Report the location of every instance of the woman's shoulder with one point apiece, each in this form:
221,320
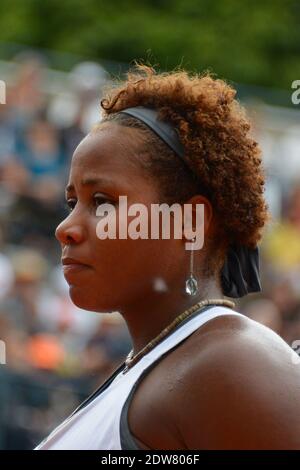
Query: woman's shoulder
241,377
235,345
231,344
225,333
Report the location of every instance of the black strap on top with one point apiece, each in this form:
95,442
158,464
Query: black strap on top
240,273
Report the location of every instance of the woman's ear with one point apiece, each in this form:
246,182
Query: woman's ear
197,217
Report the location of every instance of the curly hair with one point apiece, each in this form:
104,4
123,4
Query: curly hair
224,161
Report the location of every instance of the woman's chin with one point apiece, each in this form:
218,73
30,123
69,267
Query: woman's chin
85,300
81,299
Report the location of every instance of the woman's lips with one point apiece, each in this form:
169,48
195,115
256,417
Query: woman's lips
72,266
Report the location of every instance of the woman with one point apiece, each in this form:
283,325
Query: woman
200,375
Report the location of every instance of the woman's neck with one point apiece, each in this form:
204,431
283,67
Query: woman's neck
148,317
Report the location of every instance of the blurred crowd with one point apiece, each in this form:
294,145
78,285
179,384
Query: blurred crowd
56,354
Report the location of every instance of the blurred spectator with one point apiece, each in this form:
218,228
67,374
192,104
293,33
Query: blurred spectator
45,352
26,97
38,150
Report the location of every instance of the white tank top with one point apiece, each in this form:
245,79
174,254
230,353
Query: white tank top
100,423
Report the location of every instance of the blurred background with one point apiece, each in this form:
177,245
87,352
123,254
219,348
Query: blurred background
55,59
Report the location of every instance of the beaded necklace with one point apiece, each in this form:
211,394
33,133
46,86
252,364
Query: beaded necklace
131,360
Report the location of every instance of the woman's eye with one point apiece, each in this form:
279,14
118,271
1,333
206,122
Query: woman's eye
100,199
70,204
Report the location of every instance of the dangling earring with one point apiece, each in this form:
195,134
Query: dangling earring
191,284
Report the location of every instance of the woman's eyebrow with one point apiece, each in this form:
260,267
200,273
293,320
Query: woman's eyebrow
90,181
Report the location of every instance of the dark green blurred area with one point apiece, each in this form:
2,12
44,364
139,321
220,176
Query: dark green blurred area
254,42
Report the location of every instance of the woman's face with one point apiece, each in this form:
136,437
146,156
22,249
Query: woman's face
117,272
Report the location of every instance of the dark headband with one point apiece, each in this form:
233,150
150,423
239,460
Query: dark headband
240,273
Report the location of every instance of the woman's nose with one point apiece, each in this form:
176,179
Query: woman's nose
68,232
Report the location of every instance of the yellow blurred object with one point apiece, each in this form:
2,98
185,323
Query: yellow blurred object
281,246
